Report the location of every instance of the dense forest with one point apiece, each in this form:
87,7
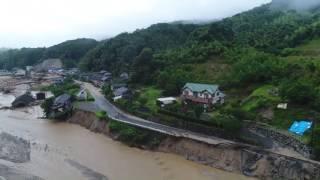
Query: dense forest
164,48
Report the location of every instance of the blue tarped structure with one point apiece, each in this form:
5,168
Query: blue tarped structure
301,127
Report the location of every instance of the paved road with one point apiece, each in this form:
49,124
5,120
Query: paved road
121,116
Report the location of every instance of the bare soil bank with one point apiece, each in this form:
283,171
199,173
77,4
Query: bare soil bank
238,159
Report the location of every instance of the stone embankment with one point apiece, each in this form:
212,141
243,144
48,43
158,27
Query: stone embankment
247,160
283,139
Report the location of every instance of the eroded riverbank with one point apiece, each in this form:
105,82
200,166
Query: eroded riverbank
237,158
67,151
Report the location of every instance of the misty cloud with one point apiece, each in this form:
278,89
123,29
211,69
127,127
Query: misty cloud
35,23
297,4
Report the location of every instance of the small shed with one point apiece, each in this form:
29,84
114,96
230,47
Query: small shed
166,101
41,96
282,106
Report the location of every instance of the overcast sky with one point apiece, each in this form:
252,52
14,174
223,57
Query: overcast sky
38,23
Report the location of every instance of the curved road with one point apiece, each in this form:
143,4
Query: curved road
118,115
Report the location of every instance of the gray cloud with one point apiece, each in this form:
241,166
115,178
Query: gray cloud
38,23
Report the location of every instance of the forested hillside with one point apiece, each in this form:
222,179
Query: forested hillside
70,52
178,53
264,29
120,51
261,58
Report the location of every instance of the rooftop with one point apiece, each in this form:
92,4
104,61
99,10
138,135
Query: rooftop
120,91
195,87
62,99
167,99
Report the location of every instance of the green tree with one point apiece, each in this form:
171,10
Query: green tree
256,67
46,106
229,123
106,89
143,67
198,110
299,91
142,101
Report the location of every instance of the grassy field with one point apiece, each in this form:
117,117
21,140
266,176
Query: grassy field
306,53
311,47
151,94
263,96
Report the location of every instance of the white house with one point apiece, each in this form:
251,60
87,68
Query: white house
166,101
206,94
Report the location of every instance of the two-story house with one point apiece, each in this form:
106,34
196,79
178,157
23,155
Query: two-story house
206,94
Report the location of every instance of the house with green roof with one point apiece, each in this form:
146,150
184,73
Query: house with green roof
206,94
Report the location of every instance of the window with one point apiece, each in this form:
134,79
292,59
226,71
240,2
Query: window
195,94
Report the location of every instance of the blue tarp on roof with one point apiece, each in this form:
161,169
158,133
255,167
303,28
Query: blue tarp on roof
301,127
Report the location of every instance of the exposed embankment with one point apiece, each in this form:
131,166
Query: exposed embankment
250,162
89,121
239,159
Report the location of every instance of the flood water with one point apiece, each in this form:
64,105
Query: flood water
67,151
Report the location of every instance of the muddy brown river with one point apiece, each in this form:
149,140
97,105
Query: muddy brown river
67,151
